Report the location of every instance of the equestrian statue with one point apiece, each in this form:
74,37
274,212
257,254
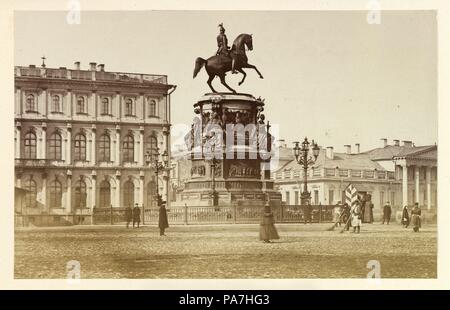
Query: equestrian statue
227,59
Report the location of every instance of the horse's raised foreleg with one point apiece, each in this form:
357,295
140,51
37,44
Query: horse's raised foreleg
222,79
243,78
253,67
211,77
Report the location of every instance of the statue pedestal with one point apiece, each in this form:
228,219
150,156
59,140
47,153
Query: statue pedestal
229,149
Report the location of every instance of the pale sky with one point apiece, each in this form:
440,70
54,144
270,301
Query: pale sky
330,76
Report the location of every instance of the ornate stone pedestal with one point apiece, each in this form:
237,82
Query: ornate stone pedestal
229,148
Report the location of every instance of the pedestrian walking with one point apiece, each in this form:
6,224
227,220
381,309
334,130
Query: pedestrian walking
345,216
136,216
163,223
387,211
128,216
405,217
267,229
416,214
356,217
337,214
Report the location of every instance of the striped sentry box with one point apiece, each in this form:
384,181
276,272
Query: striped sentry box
351,195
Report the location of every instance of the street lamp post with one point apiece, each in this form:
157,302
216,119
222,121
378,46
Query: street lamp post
301,156
213,162
152,160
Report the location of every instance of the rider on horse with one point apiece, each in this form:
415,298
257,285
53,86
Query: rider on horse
223,49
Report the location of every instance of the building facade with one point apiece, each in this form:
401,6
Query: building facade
81,138
379,172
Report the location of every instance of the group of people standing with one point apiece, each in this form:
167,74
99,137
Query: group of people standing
134,215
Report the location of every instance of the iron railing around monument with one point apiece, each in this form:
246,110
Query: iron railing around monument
216,215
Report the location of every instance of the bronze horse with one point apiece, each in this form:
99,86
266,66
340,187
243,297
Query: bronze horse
218,65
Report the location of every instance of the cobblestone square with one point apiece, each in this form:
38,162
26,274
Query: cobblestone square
225,251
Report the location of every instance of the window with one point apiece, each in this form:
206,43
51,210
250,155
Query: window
55,194
56,104
30,104
129,107
128,194
128,149
105,106
54,146
151,192
105,194
81,105
152,108
330,196
30,145
151,145
288,200
30,196
80,194
316,197
80,147
296,198
392,201
382,198
104,145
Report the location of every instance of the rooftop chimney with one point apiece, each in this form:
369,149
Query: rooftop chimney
407,143
357,148
330,152
383,142
93,66
101,67
32,66
397,142
348,148
77,65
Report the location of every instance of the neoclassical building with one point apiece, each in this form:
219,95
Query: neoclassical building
81,138
399,173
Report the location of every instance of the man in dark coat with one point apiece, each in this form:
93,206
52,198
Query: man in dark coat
416,214
128,216
387,210
136,216
345,216
405,217
163,223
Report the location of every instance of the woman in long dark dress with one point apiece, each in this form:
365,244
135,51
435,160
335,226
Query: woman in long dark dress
415,217
267,230
405,217
163,223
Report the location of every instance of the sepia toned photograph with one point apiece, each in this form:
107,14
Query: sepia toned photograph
225,144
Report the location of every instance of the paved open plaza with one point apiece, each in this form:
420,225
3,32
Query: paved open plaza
224,251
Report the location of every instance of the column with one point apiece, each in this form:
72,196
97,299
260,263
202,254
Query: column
141,190
117,159
70,103
141,147
18,141
69,145
117,200
405,184
44,102
166,133
416,183
88,146
44,191
94,190
44,141
428,177
69,192
93,149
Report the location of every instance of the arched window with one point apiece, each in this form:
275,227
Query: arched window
30,104
152,108
81,105
30,145
56,103
151,145
105,106
105,194
104,148
54,146
80,194
128,194
129,107
30,196
128,149
151,194
79,147
55,194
